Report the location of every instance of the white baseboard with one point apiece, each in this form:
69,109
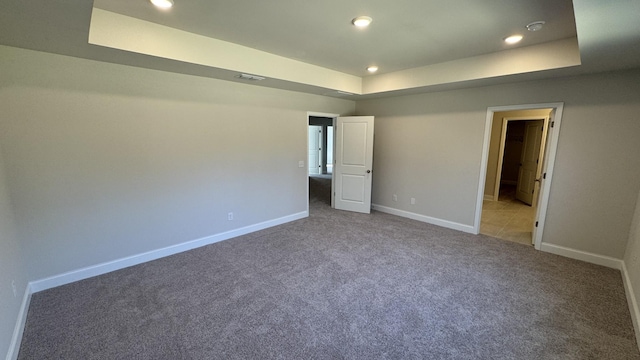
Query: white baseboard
608,262
428,219
582,255
99,269
16,339
488,197
632,301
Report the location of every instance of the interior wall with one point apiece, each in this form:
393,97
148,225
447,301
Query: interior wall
429,146
12,267
106,161
632,263
494,145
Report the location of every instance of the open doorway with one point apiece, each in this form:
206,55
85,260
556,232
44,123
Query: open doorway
320,158
345,161
509,214
518,158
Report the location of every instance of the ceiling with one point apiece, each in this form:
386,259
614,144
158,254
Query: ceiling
404,34
312,47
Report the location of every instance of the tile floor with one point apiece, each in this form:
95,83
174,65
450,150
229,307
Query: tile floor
507,218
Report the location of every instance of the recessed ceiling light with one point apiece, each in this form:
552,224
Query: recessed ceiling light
535,26
362,21
372,69
513,39
164,4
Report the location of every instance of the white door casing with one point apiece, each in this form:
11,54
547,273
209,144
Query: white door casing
353,163
529,161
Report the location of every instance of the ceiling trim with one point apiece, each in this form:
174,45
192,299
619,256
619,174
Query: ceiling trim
130,34
551,55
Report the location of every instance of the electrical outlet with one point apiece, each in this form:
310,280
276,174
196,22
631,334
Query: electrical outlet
413,201
395,197
301,164
13,287
230,216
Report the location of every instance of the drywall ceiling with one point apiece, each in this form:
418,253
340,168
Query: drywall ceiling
312,47
404,34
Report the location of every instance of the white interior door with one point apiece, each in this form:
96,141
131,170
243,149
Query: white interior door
329,149
541,162
315,153
353,163
529,161
542,169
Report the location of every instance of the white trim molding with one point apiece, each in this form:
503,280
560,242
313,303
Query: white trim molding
16,339
592,258
427,219
99,269
632,301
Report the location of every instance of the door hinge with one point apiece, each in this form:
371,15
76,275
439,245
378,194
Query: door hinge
544,176
536,224
553,123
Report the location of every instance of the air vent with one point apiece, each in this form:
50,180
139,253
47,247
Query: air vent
338,93
250,77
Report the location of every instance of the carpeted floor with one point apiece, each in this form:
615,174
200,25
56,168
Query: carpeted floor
340,285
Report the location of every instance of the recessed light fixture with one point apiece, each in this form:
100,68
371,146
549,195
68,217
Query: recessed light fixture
163,4
372,69
513,39
362,21
535,26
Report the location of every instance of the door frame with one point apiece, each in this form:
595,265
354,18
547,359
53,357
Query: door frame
549,163
318,114
503,139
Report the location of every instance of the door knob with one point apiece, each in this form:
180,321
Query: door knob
368,171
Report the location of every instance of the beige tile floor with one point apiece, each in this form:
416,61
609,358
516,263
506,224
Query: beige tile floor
507,218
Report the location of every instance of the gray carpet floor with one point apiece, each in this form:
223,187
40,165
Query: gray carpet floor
340,285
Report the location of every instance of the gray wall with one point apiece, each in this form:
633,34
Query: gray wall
429,147
632,261
107,161
104,161
12,267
